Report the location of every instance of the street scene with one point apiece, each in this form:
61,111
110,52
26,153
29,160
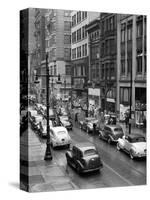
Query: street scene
83,100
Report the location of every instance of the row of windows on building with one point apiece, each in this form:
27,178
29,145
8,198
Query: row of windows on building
80,34
95,35
51,27
53,54
108,71
108,47
53,70
79,52
127,65
108,25
126,29
78,17
52,41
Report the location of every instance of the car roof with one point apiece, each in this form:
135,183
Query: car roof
58,128
112,126
84,146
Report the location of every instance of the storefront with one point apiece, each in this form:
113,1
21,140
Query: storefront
94,97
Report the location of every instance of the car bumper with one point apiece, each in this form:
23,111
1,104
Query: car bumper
59,144
92,169
139,155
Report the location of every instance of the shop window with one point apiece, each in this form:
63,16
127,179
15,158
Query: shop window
139,64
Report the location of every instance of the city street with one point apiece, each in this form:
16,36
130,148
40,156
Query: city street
118,170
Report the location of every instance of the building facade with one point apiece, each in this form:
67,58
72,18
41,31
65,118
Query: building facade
108,61
79,54
93,30
58,47
131,65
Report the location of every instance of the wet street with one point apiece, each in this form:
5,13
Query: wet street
118,170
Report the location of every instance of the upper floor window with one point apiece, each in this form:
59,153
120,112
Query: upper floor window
139,64
78,16
68,69
67,26
79,34
74,20
139,29
67,39
122,67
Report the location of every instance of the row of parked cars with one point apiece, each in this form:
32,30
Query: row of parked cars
133,144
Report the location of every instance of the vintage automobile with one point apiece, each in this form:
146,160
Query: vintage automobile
59,136
84,158
111,133
43,127
87,124
133,144
64,121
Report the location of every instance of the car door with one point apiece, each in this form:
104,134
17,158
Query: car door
52,136
105,132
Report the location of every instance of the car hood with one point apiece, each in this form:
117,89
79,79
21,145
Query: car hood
140,146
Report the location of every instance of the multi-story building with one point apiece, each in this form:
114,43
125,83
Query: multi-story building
93,29
79,52
131,64
40,49
58,47
108,60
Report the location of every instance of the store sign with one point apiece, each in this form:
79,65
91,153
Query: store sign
94,91
111,100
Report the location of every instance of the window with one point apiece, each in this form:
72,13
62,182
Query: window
74,20
145,63
78,16
74,37
79,34
139,29
73,53
122,67
84,15
129,32
67,26
129,66
139,64
124,95
67,39
85,49
102,72
67,54
68,69
83,32
123,27
78,52
111,23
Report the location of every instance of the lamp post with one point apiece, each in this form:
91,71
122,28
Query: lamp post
48,154
130,114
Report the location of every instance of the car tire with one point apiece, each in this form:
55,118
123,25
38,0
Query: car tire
131,154
118,147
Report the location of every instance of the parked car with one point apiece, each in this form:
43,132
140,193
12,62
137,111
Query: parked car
111,133
43,128
64,121
84,158
59,136
133,144
87,124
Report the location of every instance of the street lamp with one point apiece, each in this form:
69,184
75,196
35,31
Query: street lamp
48,154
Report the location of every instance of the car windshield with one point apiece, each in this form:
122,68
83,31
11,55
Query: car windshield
90,152
117,129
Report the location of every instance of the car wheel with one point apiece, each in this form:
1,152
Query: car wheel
118,147
131,154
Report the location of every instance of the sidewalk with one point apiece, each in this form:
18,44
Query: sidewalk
134,129
42,175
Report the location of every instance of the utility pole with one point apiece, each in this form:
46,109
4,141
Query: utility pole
48,154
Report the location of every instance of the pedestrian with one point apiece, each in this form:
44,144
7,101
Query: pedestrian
126,120
94,128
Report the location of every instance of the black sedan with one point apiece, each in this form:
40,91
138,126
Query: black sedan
84,158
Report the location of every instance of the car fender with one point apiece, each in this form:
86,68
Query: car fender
121,142
80,164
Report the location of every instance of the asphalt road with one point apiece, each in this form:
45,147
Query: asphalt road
119,170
